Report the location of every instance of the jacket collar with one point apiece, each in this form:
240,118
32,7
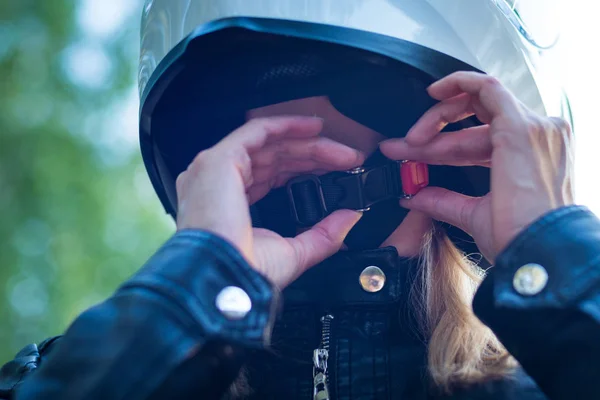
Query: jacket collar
336,281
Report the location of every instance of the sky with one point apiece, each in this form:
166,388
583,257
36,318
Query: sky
580,74
577,68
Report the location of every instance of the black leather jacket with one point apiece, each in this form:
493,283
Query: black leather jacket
161,336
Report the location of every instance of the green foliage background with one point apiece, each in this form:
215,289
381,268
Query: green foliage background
77,212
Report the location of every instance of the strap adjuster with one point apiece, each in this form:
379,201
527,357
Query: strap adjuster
319,206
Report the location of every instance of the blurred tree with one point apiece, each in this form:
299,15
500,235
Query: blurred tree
78,214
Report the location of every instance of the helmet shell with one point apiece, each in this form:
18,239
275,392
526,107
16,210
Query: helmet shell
476,32
427,39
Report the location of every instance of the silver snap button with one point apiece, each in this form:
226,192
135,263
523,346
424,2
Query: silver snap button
233,302
530,279
372,279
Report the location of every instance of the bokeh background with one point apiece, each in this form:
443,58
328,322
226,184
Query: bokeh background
77,213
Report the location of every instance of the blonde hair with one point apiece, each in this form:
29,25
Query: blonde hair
461,350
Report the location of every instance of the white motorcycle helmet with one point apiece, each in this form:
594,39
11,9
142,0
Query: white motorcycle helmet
205,63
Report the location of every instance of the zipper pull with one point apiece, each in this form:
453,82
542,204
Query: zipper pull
320,358
321,391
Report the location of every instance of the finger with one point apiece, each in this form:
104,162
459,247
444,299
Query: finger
563,126
266,179
467,147
214,159
295,167
280,175
257,132
260,188
438,117
320,157
324,151
324,239
492,96
257,192
320,172
444,205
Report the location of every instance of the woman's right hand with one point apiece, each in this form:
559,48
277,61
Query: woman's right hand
215,192
531,159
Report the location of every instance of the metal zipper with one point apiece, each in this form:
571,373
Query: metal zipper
320,358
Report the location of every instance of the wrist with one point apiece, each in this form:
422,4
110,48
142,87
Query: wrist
205,277
241,242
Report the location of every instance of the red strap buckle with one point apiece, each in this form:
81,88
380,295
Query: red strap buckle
415,176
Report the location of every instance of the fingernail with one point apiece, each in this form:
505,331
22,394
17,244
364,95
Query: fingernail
383,144
357,216
433,84
360,157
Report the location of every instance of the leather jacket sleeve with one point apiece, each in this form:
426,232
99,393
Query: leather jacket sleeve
554,334
161,335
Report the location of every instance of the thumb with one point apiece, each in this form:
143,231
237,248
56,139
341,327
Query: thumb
324,239
444,205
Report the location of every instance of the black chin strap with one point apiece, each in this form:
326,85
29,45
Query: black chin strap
311,198
308,199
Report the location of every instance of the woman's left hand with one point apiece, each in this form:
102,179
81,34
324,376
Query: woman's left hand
531,159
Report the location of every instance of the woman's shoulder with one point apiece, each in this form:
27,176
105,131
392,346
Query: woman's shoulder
518,386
